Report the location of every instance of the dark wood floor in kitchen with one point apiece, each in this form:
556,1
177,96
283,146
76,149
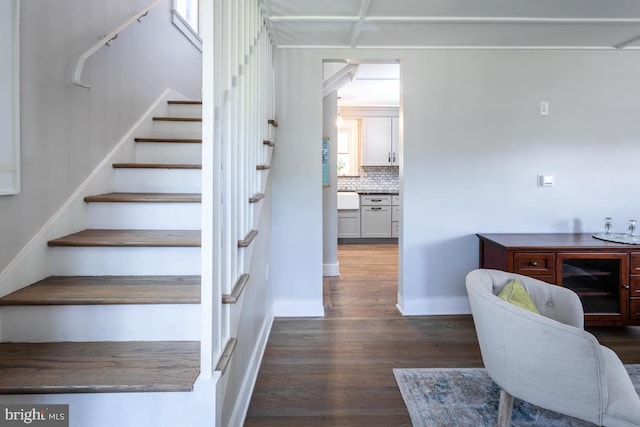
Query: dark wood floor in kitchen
337,371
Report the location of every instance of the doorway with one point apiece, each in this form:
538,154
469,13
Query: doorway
366,126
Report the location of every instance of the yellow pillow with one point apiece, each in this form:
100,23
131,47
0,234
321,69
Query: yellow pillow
516,294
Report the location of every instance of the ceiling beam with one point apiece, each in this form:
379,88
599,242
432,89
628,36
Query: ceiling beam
339,79
451,19
357,28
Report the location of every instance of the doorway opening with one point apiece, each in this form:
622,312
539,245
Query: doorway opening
362,203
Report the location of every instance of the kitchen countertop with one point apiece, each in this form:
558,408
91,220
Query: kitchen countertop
372,193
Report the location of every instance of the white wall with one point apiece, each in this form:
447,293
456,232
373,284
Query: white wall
330,265
296,263
473,145
67,131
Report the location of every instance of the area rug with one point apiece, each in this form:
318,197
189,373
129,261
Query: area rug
468,397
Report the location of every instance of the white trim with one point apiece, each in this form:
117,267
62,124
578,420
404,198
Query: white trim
241,407
298,308
433,306
186,29
13,175
452,19
331,270
453,47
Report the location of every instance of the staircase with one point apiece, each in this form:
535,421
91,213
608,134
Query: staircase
121,312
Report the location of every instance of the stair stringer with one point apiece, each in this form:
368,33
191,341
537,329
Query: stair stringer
31,263
237,383
255,302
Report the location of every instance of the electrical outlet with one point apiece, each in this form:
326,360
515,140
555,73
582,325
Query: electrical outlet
544,108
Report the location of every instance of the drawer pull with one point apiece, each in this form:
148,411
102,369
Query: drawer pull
376,209
533,263
376,200
626,286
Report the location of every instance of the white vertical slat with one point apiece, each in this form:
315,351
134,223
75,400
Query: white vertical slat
210,334
235,123
240,164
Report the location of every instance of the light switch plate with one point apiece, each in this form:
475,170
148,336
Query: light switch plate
546,180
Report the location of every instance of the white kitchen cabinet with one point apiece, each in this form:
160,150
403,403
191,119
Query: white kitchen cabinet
375,216
348,224
395,141
395,216
380,137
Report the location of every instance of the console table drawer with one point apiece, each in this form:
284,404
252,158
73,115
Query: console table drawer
634,308
634,282
634,263
534,264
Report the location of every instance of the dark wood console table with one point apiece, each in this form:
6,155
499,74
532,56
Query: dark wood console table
605,275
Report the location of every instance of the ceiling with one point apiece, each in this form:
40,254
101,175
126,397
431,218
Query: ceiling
430,24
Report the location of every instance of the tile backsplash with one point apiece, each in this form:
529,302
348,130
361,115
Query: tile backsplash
372,178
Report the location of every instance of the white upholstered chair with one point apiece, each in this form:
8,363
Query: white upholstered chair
548,359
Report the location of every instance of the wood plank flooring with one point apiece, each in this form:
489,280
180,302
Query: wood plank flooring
337,371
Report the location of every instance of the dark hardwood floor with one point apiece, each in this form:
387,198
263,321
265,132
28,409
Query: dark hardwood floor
337,371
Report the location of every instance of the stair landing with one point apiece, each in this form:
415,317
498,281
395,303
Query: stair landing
99,367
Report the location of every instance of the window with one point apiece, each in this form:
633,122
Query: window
186,17
348,142
9,98
188,10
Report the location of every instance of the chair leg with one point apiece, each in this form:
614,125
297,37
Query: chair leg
505,409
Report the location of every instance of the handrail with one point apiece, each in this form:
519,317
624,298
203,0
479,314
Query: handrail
106,40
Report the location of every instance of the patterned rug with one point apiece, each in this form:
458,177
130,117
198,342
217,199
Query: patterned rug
468,397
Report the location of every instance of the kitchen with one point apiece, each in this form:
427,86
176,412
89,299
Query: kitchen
367,157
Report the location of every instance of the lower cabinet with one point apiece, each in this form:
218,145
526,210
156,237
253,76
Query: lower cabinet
375,216
349,223
395,216
376,221
378,217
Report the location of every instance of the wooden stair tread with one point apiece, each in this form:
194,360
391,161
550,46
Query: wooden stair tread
99,367
156,166
146,198
177,119
256,197
130,238
248,239
103,290
174,140
181,102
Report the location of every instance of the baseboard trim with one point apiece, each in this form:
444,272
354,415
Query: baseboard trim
298,308
433,306
241,407
331,270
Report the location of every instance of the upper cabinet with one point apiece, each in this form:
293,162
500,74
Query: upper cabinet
380,136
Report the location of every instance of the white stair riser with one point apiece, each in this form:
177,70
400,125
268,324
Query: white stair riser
169,152
157,180
128,409
184,110
144,216
176,129
153,322
107,261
